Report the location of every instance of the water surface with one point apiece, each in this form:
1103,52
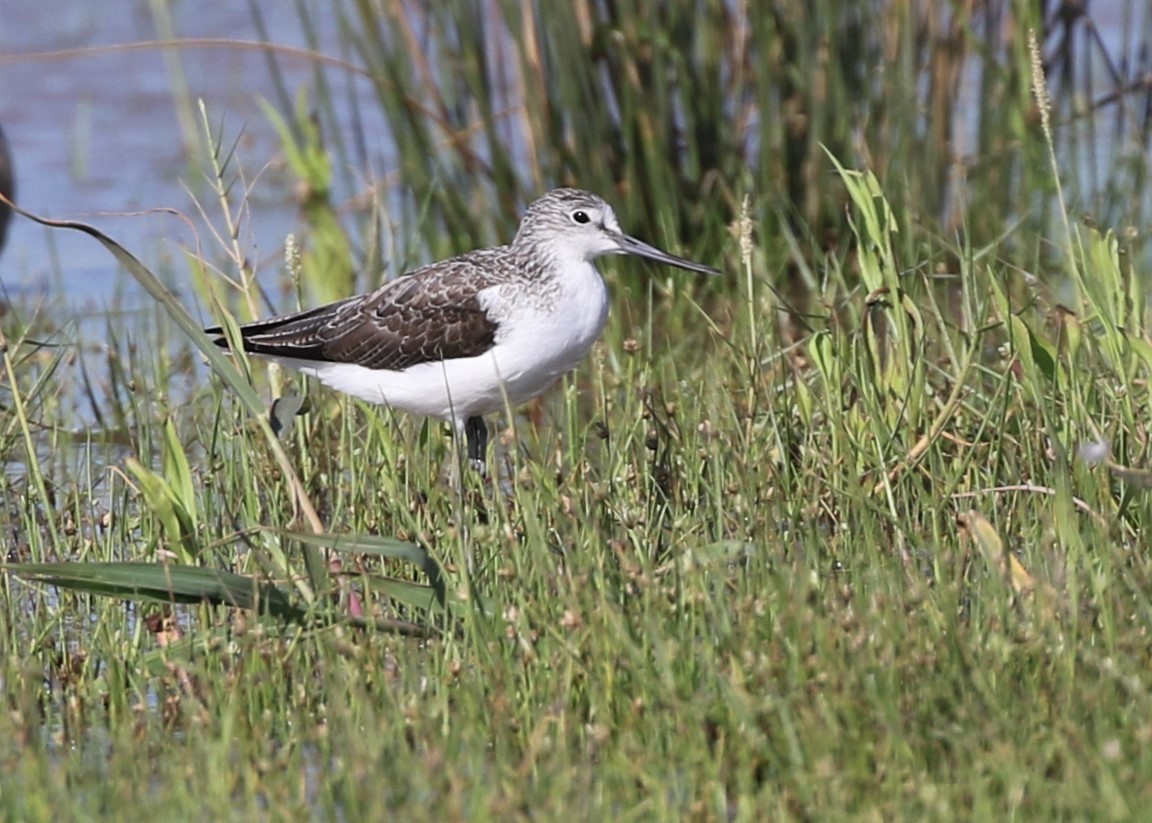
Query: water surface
96,136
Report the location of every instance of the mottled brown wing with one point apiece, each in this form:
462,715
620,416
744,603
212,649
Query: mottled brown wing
430,315
416,320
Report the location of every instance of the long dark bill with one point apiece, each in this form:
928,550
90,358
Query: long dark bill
630,245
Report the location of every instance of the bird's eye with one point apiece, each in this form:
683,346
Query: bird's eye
580,216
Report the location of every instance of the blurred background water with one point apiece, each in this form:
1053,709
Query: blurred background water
96,133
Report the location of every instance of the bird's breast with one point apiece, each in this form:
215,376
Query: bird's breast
548,330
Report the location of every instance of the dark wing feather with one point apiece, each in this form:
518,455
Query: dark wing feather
430,315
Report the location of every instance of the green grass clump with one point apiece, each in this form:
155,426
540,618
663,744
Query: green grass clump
855,533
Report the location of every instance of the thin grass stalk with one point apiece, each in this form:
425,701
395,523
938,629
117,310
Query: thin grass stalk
32,462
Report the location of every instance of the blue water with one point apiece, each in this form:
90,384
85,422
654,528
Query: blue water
96,137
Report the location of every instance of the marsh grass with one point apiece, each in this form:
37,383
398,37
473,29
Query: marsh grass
869,543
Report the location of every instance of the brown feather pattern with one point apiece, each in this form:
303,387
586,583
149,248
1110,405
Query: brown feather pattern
430,315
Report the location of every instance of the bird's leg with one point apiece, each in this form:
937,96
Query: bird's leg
476,432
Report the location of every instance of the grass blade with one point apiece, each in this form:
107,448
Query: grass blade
165,583
381,547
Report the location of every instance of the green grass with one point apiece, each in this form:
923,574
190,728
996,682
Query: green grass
820,541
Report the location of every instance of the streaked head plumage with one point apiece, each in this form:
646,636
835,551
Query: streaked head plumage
573,225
